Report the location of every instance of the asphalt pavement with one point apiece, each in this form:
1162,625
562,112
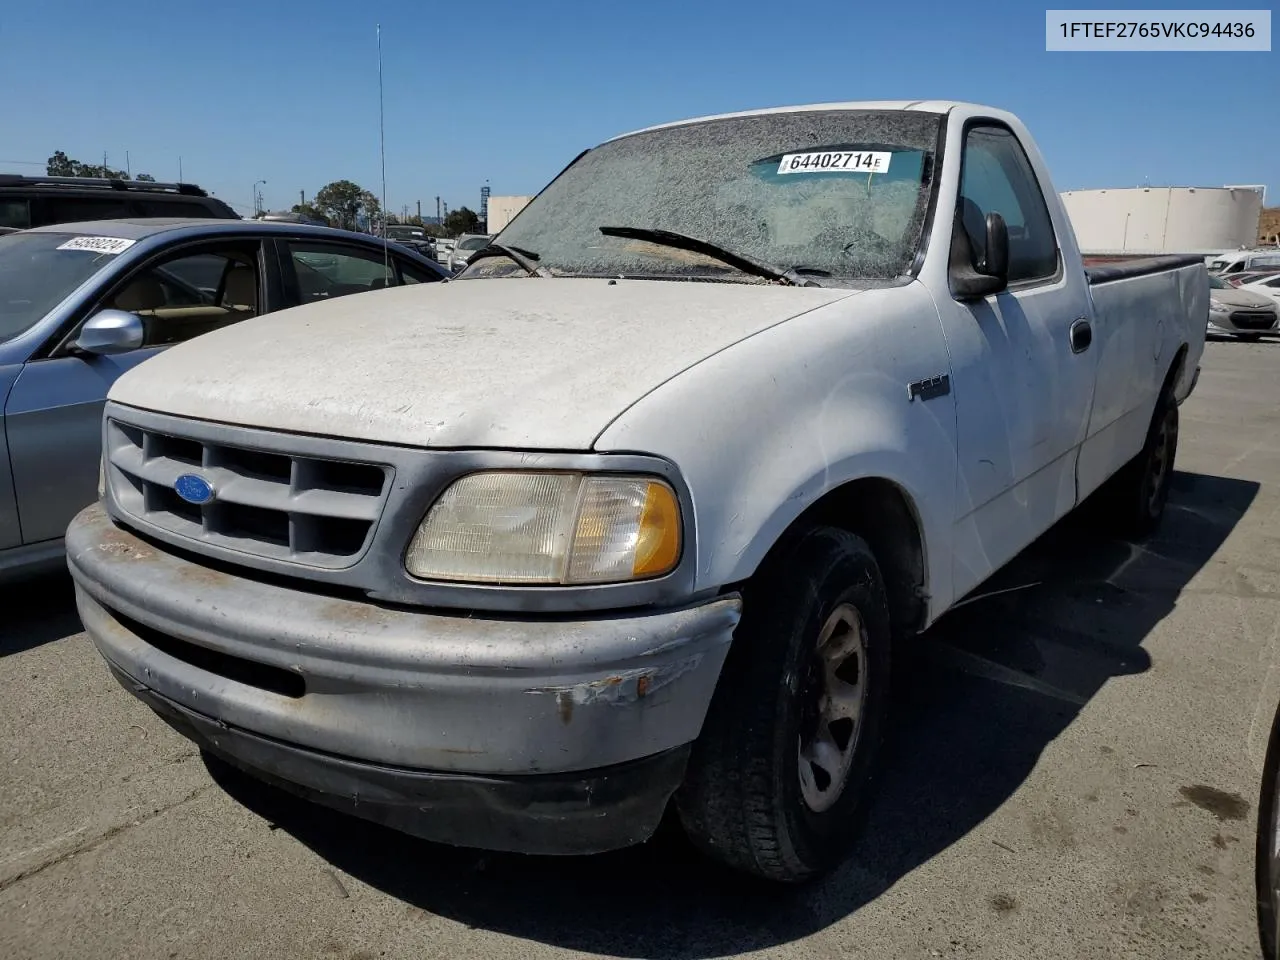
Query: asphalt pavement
1072,772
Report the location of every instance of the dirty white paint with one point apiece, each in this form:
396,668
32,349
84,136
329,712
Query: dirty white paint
765,397
523,363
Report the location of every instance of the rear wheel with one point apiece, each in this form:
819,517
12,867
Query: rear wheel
781,770
1137,495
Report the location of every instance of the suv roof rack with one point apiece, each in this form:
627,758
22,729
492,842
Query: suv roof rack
102,183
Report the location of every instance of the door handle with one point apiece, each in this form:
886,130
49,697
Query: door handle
1081,336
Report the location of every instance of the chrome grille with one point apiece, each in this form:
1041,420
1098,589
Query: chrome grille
304,509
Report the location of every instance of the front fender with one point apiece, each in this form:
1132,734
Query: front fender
764,429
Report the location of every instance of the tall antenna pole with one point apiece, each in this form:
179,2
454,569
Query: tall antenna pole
382,150
179,169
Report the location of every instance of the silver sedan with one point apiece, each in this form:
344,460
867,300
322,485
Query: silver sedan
1242,313
81,303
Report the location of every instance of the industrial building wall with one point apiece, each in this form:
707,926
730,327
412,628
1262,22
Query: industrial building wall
1164,219
502,210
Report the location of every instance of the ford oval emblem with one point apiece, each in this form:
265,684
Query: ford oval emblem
193,488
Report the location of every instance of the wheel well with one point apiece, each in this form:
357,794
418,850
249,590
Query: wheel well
1175,370
878,511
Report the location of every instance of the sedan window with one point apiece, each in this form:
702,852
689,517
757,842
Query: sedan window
188,295
328,270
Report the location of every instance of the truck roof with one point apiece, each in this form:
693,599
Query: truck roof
919,106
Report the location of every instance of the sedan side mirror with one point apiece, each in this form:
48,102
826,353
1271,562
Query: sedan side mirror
111,331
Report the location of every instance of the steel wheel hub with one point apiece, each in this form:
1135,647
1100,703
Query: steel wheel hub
837,698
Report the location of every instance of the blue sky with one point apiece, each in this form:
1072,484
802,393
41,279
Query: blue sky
510,92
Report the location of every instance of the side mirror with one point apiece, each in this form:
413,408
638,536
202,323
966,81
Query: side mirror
992,272
111,331
995,261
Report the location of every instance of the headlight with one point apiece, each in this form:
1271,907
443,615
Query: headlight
1217,307
548,528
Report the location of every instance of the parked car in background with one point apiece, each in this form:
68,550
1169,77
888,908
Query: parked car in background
645,502
290,216
463,249
82,303
1240,311
1268,286
414,237
27,202
1245,276
1245,260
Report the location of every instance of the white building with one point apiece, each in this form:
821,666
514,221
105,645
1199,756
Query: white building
502,210
1158,220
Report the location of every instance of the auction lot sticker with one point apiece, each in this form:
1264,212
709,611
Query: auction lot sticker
836,161
112,245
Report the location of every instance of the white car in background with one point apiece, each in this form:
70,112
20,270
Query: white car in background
466,246
1240,311
1244,260
1268,286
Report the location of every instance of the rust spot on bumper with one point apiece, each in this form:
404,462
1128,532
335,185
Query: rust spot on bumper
618,689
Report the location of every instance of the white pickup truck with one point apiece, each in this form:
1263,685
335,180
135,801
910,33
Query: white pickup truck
639,507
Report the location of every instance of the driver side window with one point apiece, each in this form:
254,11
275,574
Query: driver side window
192,293
997,178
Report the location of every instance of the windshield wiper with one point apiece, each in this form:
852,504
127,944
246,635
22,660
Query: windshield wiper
525,258
741,261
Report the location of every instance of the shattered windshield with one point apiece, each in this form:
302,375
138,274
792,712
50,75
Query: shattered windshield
840,194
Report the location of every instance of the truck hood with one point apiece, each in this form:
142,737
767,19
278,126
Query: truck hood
517,363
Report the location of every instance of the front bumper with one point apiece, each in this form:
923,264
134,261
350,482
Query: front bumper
265,674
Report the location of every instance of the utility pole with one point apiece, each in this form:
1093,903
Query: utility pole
419,211
179,169
438,220
104,164
128,167
302,198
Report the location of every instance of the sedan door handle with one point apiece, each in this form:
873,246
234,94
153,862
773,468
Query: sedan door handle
1081,336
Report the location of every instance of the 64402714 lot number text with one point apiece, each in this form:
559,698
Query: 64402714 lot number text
836,161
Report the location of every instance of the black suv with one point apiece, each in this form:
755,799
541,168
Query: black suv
39,201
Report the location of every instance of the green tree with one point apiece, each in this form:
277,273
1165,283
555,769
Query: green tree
462,220
60,165
345,204
307,210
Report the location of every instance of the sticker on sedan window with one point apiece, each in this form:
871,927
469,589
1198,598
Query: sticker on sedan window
111,245
836,161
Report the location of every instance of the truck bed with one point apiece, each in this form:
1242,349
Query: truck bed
1105,269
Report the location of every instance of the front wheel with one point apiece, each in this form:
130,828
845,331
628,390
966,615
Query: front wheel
782,767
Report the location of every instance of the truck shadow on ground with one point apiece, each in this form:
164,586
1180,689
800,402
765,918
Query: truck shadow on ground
37,611
988,688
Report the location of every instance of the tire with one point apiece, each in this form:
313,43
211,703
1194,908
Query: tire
1266,858
1137,495
749,800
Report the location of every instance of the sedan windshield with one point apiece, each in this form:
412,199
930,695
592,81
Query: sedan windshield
36,275
838,195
